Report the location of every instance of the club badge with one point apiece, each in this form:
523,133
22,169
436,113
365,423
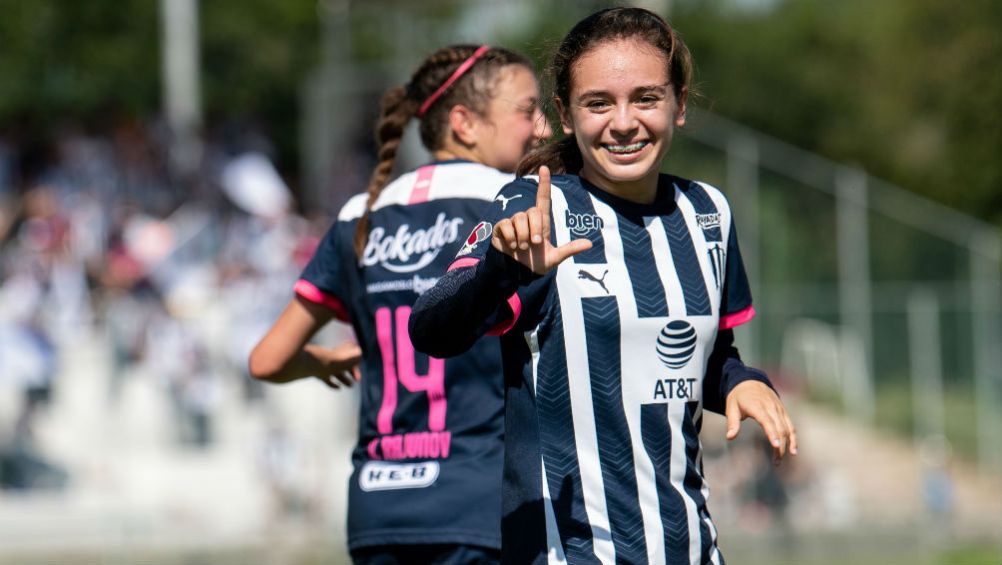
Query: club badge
482,232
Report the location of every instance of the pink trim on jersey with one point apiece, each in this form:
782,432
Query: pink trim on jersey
422,184
516,310
462,262
310,292
736,319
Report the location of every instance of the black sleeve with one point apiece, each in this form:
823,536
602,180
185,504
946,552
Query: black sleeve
725,371
465,303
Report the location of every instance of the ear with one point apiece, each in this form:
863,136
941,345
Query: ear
565,117
680,111
463,122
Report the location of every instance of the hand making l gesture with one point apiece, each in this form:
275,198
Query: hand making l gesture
526,236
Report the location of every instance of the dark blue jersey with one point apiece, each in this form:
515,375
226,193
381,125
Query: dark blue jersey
427,467
609,360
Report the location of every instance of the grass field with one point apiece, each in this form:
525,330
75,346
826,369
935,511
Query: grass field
829,550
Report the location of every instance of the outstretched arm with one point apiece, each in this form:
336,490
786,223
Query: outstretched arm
284,354
738,391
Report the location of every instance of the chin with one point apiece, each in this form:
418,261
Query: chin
627,173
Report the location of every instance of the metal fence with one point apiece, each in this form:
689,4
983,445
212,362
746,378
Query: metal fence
871,297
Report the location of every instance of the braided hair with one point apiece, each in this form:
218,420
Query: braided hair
473,89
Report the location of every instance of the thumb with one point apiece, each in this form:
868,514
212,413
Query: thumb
733,414
569,249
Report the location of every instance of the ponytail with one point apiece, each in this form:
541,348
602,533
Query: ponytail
396,110
457,74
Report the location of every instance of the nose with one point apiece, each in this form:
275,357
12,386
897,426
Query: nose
623,120
541,125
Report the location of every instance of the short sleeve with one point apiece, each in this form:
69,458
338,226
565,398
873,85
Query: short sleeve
322,281
736,302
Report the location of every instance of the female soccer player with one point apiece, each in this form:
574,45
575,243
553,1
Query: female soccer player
427,467
617,287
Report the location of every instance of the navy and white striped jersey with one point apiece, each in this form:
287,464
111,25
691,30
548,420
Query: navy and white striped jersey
427,466
610,360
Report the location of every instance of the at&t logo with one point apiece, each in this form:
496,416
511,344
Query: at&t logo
676,344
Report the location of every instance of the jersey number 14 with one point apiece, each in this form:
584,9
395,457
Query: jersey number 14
398,365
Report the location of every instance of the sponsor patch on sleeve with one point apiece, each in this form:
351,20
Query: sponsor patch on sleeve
480,233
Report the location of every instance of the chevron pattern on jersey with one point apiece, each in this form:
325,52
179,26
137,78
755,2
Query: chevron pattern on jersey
559,450
647,286
694,479
602,336
657,441
690,276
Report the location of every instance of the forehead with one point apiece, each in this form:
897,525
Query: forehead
618,64
516,82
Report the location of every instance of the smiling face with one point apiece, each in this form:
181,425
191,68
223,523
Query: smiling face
622,111
512,123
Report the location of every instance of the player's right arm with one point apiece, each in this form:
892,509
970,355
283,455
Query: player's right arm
474,297
284,354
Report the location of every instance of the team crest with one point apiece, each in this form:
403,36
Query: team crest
481,232
716,253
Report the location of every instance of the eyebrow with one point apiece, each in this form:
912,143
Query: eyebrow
645,88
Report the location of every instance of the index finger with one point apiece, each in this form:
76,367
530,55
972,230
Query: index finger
543,194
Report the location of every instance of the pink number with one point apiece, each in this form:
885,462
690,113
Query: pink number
432,384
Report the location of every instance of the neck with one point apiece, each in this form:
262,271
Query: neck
452,151
642,191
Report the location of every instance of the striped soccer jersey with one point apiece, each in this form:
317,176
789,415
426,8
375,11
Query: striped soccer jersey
609,361
427,466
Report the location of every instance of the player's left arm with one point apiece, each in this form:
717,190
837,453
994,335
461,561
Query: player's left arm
731,387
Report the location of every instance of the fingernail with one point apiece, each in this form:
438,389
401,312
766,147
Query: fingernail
775,443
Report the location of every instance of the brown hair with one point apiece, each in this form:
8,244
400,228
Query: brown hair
473,89
563,155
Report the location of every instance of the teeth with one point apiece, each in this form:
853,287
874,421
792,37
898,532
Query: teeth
626,148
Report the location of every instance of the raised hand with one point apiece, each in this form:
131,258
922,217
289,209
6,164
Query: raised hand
526,236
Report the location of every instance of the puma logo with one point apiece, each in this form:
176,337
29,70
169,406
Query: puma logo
583,274
504,201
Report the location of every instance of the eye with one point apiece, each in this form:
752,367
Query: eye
596,104
649,99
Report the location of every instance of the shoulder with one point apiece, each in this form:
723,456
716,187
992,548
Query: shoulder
462,180
353,208
469,180
699,192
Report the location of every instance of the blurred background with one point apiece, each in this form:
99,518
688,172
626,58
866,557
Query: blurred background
167,167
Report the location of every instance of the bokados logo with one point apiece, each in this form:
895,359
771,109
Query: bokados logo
407,251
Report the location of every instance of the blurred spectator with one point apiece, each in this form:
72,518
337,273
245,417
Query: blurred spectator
98,240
